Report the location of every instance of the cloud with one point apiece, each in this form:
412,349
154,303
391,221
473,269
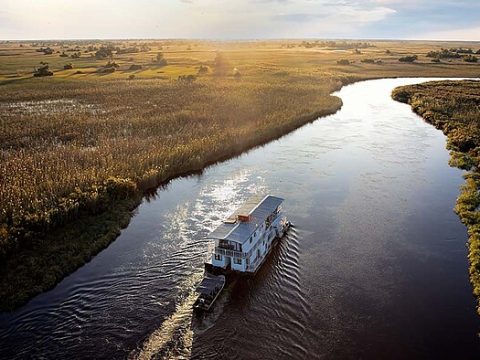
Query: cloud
339,15
233,19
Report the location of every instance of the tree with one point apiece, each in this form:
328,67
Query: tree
408,58
42,71
470,58
104,52
160,60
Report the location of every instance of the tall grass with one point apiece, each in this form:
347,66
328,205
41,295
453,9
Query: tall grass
118,138
454,108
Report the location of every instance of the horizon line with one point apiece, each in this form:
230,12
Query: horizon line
233,39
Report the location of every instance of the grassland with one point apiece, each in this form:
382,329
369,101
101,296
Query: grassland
454,108
79,148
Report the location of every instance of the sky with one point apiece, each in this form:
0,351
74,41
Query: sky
240,19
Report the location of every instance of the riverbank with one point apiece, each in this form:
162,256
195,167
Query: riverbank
454,108
83,144
53,243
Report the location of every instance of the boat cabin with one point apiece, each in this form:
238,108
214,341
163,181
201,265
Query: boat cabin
244,238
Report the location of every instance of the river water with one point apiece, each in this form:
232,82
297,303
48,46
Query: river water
375,267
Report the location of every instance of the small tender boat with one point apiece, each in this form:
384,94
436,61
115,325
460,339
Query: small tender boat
209,290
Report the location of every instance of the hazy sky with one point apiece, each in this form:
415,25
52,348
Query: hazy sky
240,19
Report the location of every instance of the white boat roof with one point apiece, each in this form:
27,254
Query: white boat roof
258,208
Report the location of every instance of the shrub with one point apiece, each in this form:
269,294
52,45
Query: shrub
135,67
42,71
106,70
368,61
67,66
104,52
202,70
46,51
112,64
160,60
343,62
408,58
444,54
187,79
470,58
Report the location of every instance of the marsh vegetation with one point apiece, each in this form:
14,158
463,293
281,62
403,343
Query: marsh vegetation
87,142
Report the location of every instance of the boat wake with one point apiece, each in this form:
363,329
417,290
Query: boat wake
173,340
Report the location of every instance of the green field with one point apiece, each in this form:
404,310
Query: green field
79,148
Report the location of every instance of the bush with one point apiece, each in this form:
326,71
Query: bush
343,62
187,79
135,67
46,51
202,70
408,58
106,70
104,52
67,66
368,61
42,71
112,64
160,60
470,58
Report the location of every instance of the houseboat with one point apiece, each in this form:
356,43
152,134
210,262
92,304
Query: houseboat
245,238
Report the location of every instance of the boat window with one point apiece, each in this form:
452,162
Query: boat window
250,240
218,257
238,260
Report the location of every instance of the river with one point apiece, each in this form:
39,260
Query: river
375,267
